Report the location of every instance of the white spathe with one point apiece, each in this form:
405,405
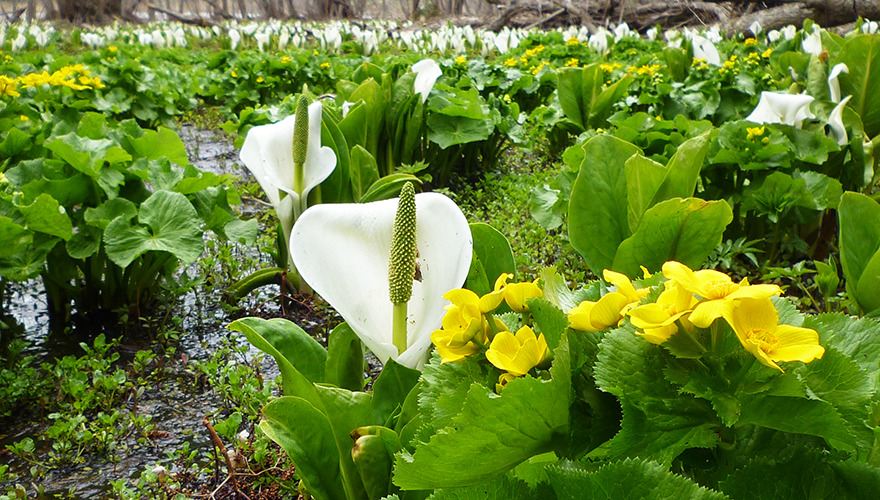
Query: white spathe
833,80
788,109
812,43
268,153
342,252
704,49
835,121
427,72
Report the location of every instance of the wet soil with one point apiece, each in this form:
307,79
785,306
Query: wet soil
176,402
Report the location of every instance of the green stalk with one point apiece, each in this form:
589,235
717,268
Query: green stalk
398,331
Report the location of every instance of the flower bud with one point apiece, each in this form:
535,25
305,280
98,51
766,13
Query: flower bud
301,131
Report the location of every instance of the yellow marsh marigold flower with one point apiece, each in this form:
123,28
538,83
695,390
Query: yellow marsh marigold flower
607,312
757,327
572,42
510,62
516,294
464,322
657,320
285,59
259,79
503,380
325,65
572,63
766,53
755,132
749,42
517,354
34,79
461,60
8,86
715,290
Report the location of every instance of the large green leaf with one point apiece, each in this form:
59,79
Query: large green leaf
87,155
364,171
569,89
597,214
630,479
392,388
290,341
448,130
859,218
337,187
529,418
493,250
862,56
15,237
47,216
160,143
305,434
173,226
684,230
345,359
659,422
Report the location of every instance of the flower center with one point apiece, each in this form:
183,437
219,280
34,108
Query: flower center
766,341
718,289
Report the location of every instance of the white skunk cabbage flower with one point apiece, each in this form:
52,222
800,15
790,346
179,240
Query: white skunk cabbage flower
833,83
427,72
234,38
704,49
787,109
835,121
812,43
268,153
342,251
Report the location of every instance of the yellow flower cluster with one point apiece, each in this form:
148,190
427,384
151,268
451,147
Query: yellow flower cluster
607,312
285,59
75,77
608,68
510,62
8,86
572,63
755,132
750,41
698,299
469,327
572,42
461,60
325,65
647,69
537,69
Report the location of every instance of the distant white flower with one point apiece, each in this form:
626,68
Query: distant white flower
599,41
158,39
427,72
869,28
283,38
713,34
19,43
835,121
704,49
755,28
262,39
773,35
621,31
812,44
243,436
788,32
833,83
653,33
787,109
234,38
502,41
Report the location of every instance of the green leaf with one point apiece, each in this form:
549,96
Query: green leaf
597,215
389,187
854,337
344,359
84,243
628,479
87,155
859,218
101,215
287,339
803,475
502,488
644,177
364,171
448,130
686,231
15,142
15,237
529,418
570,90
305,434
392,388
173,227
337,187
551,321
493,250
45,215
658,421
160,143
861,54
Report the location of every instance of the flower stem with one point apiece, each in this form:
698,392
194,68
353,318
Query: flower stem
398,329
741,375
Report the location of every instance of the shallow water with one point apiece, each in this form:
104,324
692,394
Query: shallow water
175,404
